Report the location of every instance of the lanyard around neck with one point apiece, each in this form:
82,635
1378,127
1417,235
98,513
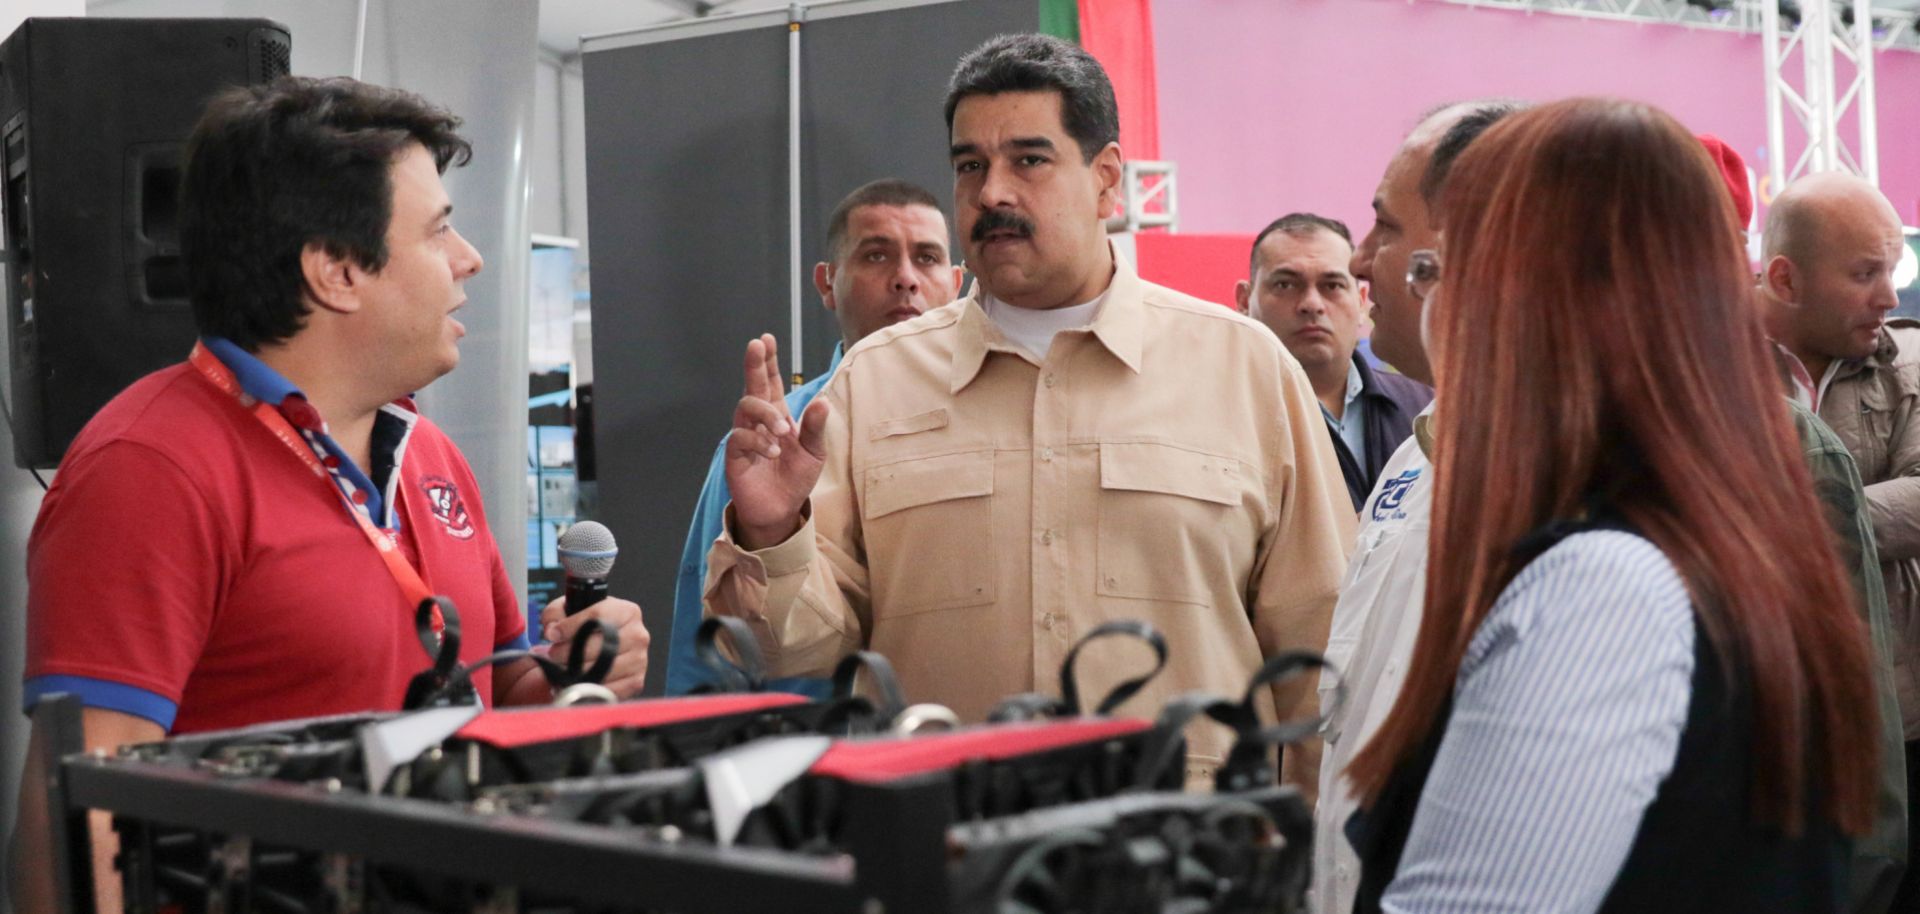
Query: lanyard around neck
411,584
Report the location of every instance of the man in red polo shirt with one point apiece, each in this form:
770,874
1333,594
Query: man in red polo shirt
243,537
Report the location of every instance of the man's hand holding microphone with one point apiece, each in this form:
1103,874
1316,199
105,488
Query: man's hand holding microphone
587,551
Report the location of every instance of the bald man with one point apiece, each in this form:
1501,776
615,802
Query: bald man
1830,248
1377,617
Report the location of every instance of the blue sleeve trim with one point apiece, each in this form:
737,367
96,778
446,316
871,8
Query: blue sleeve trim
105,694
520,643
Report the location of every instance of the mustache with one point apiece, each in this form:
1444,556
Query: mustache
994,220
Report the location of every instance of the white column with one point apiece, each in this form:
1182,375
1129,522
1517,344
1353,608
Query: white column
477,58
796,16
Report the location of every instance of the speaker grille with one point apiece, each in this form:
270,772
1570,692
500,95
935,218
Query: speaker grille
269,55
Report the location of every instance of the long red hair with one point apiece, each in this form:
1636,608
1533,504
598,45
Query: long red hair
1593,335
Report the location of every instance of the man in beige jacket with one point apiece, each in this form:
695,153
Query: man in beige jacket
979,487
1831,245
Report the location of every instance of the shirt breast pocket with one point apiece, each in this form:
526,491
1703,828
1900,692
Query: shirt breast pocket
1872,451
1170,522
929,532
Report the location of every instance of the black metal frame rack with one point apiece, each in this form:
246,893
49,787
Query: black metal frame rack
901,845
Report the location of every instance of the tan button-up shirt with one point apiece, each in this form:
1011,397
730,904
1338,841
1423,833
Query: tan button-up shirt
979,512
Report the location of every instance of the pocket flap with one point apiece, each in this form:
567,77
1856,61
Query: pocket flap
907,425
925,480
1146,466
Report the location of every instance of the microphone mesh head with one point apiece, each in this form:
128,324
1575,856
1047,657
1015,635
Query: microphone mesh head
587,550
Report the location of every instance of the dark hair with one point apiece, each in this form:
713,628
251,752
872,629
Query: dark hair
1556,359
1455,141
273,168
1035,63
1299,225
884,192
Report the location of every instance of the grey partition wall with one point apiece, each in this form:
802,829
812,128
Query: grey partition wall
688,183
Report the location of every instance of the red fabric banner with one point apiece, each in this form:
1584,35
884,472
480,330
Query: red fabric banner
1204,266
1119,34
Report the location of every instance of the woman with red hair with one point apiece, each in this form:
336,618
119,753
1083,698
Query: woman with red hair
1640,682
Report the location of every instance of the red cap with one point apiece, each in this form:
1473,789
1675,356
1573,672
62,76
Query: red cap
1733,169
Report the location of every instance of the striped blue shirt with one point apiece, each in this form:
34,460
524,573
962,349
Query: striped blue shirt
1566,718
1352,424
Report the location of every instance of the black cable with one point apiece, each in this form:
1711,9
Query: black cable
8,414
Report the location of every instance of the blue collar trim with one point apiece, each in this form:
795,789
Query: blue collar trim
390,432
256,378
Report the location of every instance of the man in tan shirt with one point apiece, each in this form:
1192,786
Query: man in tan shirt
979,487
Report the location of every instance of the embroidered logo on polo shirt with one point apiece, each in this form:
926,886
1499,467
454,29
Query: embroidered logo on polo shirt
448,507
1392,493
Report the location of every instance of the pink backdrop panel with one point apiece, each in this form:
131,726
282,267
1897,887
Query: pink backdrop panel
1270,106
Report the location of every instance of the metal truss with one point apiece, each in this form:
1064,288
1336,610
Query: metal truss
1894,29
1674,12
1821,102
1149,198
1818,31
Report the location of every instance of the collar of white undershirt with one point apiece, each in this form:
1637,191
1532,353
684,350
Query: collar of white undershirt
1806,390
1033,329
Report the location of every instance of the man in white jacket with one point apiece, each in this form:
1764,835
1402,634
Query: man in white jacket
1377,617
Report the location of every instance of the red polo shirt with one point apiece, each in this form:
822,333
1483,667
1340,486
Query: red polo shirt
188,568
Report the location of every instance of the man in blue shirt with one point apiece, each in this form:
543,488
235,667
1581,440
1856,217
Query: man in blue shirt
887,263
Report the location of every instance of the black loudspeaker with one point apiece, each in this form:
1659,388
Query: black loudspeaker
94,114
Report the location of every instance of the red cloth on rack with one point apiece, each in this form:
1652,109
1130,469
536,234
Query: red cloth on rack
511,729
877,761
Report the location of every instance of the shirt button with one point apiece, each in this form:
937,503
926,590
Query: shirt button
1046,537
1046,455
1051,380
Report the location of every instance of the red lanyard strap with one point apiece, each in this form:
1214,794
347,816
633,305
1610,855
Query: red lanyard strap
411,585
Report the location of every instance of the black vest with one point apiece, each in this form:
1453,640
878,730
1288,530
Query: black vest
1698,849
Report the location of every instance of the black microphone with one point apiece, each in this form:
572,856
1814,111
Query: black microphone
587,552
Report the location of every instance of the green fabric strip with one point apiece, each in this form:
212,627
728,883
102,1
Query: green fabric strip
1061,19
